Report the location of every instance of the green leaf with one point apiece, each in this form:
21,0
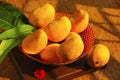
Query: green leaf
15,29
15,32
7,19
12,9
7,45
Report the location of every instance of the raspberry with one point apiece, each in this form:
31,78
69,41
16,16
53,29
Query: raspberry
39,73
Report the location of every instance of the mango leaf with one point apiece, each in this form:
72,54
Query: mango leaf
15,32
7,45
11,22
15,12
12,9
7,19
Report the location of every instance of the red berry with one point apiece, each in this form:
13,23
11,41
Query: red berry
39,73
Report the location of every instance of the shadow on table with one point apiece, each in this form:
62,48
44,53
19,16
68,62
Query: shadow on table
68,6
111,70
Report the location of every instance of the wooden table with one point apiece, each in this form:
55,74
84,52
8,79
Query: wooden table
105,22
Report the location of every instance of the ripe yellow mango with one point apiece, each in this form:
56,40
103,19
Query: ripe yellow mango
35,42
72,35
49,54
42,16
59,29
71,49
79,21
98,56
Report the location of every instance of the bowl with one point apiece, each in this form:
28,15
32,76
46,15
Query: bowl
87,37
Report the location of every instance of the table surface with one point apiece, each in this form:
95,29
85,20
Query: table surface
105,21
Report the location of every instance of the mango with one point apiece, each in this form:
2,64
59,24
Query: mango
98,56
42,16
59,29
71,35
49,54
35,42
79,21
71,49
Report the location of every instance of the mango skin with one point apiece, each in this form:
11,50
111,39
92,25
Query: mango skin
59,29
71,49
79,21
98,56
35,42
72,35
49,54
42,16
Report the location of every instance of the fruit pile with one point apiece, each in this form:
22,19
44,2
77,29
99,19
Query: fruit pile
59,37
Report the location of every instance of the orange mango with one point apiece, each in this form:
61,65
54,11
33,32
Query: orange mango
71,49
72,35
98,56
35,42
42,16
79,21
59,29
49,54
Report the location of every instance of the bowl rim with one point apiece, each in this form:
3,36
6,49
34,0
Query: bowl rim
52,63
